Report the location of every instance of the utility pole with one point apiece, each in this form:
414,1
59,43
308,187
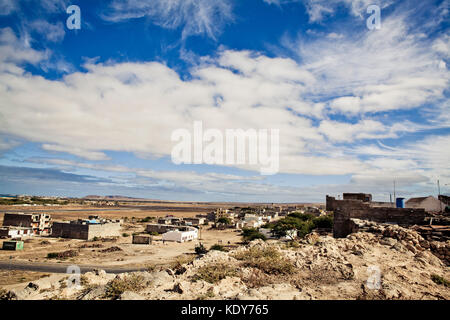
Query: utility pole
395,199
439,195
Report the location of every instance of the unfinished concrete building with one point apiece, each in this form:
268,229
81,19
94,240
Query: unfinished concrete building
348,209
86,229
364,197
142,239
40,223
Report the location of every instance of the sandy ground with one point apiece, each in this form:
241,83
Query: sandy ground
131,255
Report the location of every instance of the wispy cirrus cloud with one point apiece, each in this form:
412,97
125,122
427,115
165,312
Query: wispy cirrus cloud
194,17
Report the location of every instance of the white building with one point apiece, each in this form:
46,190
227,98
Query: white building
180,236
290,234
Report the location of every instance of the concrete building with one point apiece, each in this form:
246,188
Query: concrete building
160,228
40,223
188,234
170,220
194,221
430,204
86,229
142,239
364,197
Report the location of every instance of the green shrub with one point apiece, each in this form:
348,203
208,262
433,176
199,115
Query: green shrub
250,234
125,235
301,216
440,280
323,222
224,220
147,219
200,249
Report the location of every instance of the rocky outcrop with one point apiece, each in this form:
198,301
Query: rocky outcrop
401,262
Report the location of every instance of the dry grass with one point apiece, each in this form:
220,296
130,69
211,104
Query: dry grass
117,286
268,260
213,273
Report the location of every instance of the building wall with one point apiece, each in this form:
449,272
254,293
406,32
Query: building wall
40,222
179,236
141,239
344,210
358,196
430,204
17,220
160,228
85,231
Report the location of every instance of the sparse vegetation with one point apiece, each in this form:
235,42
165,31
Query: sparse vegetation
62,255
224,220
268,260
250,234
304,223
125,235
147,219
440,280
3,294
218,247
200,249
214,273
208,295
117,286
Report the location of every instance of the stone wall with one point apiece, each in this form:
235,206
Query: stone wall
344,210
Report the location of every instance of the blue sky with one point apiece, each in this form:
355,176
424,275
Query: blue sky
91,111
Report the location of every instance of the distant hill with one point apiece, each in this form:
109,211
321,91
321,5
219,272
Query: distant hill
110,198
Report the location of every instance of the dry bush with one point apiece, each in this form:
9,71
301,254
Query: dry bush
213,273
268,260
62,255
117,286
258,278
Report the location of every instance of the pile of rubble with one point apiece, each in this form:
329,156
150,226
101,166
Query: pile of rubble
409,238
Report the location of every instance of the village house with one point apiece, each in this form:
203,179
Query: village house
40,223
181,235
87,229
430,204
15,232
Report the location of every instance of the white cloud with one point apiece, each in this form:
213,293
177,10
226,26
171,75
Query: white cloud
7,7
319,10
50,32
83,153
389,69
195,17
